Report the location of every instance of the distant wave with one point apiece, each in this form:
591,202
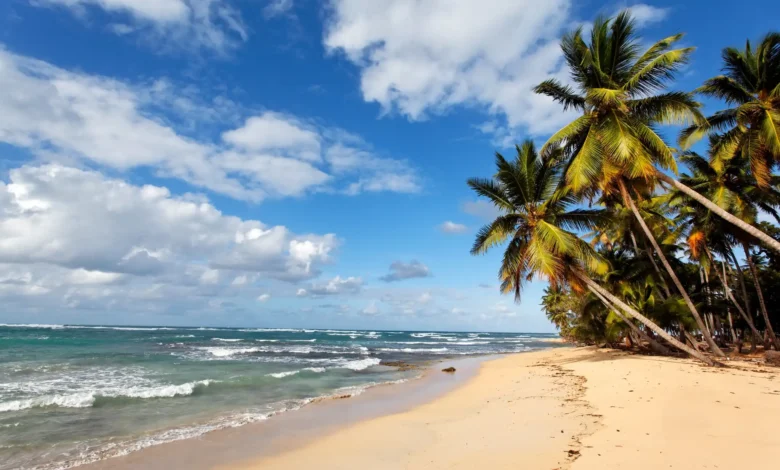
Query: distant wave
413,350
32,325
361,364
227,340
276,330
227,352
87,398
280,375
222,352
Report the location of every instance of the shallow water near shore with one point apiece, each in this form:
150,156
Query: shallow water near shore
71,395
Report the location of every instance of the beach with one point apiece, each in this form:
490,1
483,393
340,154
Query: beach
139,396
579,408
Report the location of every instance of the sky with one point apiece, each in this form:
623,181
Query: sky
282,163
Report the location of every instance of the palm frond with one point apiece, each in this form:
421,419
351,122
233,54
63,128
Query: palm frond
492,190
561,94
494,233
726,89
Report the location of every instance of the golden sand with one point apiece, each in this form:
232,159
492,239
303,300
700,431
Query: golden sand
568,408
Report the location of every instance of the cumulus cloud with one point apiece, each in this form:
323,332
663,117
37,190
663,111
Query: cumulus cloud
62,226
400,271
277,132
65,116
263,298
215,25
422,58
335,286
647,14
452,227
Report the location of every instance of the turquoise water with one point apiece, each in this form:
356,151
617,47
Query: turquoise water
70,395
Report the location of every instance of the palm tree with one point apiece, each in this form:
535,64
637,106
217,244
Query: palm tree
535,222
728,184
613,144
750,128
620,228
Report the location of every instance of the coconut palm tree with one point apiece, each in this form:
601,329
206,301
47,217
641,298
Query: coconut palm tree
613,147
729,185
750,128
536,223
621,227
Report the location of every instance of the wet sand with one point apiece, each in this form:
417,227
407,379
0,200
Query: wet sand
291,430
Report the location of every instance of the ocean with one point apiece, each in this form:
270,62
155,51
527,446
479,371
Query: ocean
71,395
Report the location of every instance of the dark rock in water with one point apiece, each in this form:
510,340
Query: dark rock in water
449,370
401,365
772,357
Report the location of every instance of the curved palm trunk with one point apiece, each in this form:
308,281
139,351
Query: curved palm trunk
722,213
594,287
727,290
654,345
760,294
704,331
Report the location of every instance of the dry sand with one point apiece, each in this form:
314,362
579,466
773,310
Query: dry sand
568,408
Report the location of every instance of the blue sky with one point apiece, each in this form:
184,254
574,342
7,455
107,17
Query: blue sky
280,162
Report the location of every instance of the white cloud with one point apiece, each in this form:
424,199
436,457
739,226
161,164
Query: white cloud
210,276
83,221
263,297
165,24
400,271
277,132
452,227
72,117
335,286
154,10
371,310
422,58
647,14
374,174
277,7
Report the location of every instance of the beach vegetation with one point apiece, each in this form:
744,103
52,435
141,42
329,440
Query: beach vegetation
642,243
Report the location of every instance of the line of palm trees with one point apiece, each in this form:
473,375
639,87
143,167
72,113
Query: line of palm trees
599,210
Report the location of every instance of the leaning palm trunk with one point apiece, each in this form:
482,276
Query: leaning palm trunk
654,345
722,213
704,331
594,287
760,294
727,290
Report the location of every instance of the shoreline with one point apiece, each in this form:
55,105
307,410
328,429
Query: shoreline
567,408
294,428
559,408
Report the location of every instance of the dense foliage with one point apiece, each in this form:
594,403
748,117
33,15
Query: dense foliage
634,254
